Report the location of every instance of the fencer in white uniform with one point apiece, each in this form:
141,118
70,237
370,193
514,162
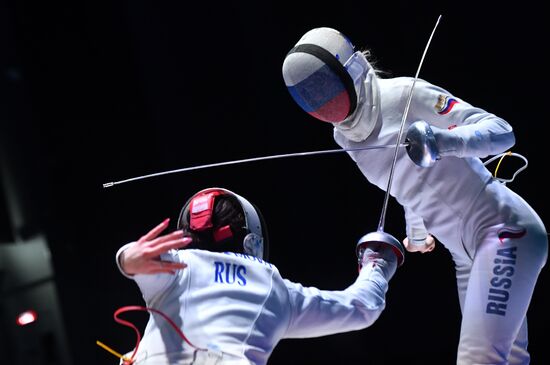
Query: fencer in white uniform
497,241
231,304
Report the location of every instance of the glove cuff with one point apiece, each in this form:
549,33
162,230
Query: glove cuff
418,241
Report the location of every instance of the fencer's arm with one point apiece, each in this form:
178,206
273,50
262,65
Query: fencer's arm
461,129
151,261
119,258
318,312
489,136
418,239
143,255
414,227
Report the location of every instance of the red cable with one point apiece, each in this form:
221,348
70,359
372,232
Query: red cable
138,335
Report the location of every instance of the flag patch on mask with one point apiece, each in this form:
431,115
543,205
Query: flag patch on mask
445,104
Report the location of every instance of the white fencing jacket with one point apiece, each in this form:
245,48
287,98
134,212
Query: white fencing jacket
239,307
498,242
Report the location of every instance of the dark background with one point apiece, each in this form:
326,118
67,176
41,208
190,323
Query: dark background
94,92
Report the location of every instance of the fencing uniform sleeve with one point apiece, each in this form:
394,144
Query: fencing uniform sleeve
415,229
461,129
316,312
118,257
149,284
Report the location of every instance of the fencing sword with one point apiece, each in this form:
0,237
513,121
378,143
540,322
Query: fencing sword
253,159
373,237
379,236
396,146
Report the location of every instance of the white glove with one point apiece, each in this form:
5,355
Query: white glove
382,256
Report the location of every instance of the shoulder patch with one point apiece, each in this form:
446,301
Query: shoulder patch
444,104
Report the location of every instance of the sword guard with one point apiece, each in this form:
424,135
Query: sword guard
422,147
381,237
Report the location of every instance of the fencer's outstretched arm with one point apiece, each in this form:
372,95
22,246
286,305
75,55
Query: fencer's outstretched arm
459,128
318,312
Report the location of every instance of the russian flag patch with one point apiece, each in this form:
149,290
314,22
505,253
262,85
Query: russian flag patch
445,104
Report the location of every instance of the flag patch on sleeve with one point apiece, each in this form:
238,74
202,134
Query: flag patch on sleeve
445,104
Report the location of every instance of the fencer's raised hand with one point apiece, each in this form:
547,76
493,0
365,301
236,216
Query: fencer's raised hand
143,256
426,246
